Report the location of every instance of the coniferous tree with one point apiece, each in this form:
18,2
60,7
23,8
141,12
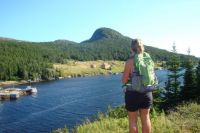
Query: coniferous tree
172,95
188,91
158,98
198,79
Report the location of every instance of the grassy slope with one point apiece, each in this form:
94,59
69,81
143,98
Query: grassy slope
82,68
186,119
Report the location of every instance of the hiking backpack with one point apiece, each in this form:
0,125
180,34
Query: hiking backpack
143,79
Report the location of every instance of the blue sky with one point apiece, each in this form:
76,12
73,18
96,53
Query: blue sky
158,23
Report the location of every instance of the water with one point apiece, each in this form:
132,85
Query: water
63,102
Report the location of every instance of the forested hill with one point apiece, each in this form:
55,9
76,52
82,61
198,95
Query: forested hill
110,44
24,60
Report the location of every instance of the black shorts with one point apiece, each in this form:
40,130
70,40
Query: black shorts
135,100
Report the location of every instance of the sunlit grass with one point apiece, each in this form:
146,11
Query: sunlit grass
79,68
184,119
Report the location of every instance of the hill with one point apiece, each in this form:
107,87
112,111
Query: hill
110,44
7,39
103,33
105,44
34,60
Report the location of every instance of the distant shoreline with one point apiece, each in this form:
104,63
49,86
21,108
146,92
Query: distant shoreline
73,69
24,82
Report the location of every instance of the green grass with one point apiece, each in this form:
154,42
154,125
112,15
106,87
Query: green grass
184,119
83,68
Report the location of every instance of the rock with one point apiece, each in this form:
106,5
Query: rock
106,66
93,66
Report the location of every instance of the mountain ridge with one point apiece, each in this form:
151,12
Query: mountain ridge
100,33
102,37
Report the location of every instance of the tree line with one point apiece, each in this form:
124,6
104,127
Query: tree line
30,60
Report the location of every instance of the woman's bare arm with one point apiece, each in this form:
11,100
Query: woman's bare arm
127,71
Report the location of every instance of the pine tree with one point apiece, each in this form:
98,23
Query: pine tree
158,98
172,95
189,89
198,79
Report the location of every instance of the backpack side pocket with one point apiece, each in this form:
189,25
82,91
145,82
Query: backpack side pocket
136,82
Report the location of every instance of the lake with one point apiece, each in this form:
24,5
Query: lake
63,102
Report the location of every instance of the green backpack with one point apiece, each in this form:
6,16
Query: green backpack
143,79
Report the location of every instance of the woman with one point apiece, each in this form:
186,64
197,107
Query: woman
135,101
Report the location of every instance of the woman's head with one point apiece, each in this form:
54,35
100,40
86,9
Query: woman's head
137,46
